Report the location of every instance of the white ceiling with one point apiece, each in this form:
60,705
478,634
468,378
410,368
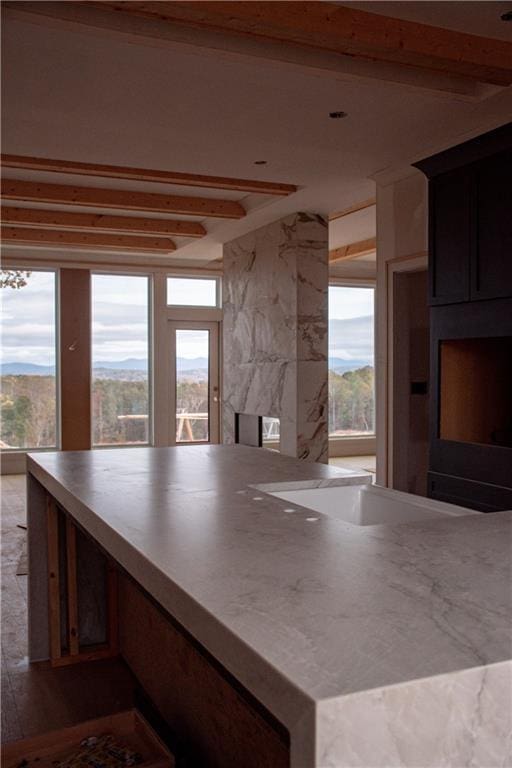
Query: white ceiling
93,95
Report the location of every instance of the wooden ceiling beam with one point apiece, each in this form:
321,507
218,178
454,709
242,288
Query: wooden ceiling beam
145,174
353,209
353,251
343,30
95,197
42,218
85,240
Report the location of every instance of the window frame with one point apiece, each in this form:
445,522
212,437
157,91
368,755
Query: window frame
13,461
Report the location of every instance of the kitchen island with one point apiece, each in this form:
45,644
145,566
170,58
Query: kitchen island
377,645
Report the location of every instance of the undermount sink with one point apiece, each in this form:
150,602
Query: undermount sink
370,504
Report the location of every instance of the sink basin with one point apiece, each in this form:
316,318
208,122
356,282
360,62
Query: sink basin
370,504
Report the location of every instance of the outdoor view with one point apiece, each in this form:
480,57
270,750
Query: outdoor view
192,385
120,367
120,360
28,396
351,361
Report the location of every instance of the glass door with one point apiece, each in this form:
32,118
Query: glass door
194,389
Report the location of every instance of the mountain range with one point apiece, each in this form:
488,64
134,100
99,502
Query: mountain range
337,364
130,364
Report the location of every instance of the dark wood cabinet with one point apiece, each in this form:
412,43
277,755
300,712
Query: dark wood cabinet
483,497
470,274
470,220
470,232
491,262
450,236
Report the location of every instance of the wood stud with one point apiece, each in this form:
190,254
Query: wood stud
75,653
72,591
53,579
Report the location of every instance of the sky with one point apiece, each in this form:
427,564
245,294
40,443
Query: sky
119,317
28,321
351,324
120,320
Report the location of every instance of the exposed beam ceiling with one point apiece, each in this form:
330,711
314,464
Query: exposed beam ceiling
343,30
97,222
86,240
57,194
144,174
353,251
353,208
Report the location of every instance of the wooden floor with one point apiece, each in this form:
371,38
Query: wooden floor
36,698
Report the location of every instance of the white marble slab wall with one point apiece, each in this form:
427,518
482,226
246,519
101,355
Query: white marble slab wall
275,294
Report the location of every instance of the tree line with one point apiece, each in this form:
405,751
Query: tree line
351,401
28,411
28,408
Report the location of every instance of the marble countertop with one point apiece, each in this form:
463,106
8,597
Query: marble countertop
301,608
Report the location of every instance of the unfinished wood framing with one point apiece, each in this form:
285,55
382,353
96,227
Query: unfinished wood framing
353,209
95,197
145,174
342,30
72,588
53,579
74,653
112,607
353,251
86,240
99,222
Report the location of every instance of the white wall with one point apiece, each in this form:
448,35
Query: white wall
402,210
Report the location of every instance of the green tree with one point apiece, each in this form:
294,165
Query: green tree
351,401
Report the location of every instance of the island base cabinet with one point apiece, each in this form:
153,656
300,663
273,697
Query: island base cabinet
214,723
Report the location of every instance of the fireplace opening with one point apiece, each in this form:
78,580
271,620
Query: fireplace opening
476,391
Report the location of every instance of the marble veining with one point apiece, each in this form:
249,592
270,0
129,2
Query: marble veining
275,331
461,720
313,617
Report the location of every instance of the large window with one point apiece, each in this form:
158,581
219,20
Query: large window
28,356
351,361
120,360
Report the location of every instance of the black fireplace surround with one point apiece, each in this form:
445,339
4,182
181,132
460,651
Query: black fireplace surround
470,286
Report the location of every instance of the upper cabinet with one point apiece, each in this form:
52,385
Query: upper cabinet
491,263
470,219
450,237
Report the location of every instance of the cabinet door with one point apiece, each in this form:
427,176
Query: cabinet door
450,237
491,273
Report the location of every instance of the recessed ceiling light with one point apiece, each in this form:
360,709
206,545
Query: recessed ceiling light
337,115
507,16
260,162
